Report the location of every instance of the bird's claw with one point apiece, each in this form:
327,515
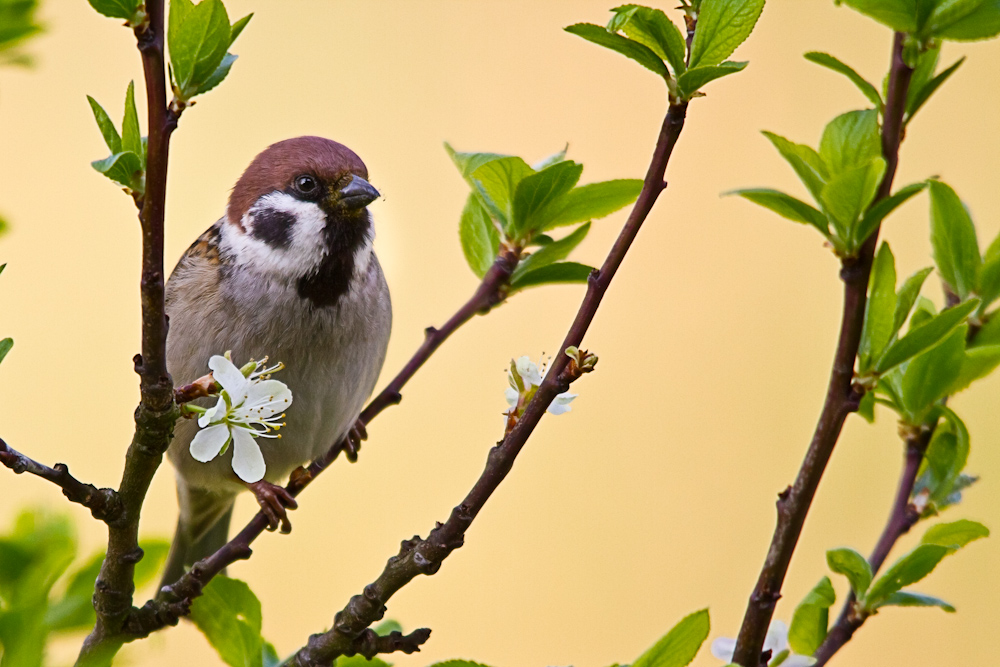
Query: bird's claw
353,439
273,501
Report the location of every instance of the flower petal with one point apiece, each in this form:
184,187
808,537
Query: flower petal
267,398
560,403
511,395
208,442
228,376
777,637
248,462
528,371
795,660
723,648
214,414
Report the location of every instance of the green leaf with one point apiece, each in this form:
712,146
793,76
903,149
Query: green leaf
787,207
929,376
457,663
561,272
237,28
848,194
696,77
361,661
811,618
900,15
988,285
536,193
551,253
198,37
850,140
880,309
944,460
106,126
866,407
956,534
925,336
228,614
874,216
867,89
978,363
652,28
852,565
909,569
551,160
806,162
722,26
953,236
595,200
908,599
116,9
983,23
480,238
989,332
678,647
921,96
496,183
5,346
907,296
220,73
120,168
131,136
948,12
640,53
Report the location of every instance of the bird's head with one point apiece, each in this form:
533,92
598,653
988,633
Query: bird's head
299,205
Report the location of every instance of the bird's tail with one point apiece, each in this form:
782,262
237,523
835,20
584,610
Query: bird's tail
202,528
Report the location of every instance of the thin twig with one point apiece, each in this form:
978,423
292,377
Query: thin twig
157,413
841,399
424,556
104,504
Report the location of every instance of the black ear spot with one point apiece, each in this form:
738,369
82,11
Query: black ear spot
273,227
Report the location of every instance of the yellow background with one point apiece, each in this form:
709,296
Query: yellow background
654,496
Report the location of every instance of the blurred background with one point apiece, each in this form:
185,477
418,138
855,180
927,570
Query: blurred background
655,496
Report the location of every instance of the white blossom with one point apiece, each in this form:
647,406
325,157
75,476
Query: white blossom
529,378
249,407
776,642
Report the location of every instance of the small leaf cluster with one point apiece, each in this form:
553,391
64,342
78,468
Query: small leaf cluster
17,24
199,37
133,11
40,597
927,20
843,177
650,38
127,163
513,206
810,620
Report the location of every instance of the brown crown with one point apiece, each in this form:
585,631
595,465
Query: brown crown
276,166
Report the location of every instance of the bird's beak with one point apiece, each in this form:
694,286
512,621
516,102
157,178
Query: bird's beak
357,194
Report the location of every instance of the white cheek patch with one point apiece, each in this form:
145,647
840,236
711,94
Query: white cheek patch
363,254
290,252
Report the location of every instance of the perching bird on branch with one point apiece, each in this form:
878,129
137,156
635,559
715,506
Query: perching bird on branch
288,272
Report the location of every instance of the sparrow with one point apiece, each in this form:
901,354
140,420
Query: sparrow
289,273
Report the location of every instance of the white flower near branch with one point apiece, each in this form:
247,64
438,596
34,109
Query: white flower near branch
250,406
776,642
525,377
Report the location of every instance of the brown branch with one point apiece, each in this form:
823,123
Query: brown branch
200,388
157,413
841,398
104,504
424,556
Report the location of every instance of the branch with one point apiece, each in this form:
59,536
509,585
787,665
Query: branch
841,398
424,556
174,600
157,413
104,504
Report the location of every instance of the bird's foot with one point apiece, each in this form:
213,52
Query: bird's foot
353,439
273,501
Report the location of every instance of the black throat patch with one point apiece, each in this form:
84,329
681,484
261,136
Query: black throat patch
324,286
273,227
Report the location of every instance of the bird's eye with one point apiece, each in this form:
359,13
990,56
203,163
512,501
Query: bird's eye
306,184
